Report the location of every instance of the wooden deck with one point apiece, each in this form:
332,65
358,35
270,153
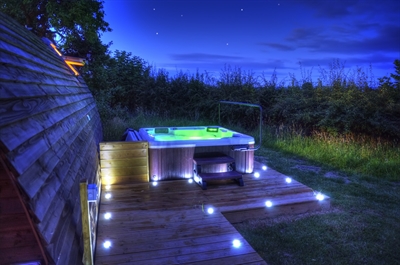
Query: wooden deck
169,223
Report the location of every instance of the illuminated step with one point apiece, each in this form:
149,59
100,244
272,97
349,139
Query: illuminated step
212,158
204,177
220,175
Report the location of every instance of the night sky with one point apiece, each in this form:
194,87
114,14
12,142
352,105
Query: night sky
257,35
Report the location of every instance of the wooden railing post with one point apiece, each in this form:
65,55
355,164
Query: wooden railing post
86,229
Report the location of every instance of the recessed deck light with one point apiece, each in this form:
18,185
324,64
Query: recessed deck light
268,203
197,179
210,210
288,180
264,167
319,196
236,243
107,216
107,244
256,175
107,195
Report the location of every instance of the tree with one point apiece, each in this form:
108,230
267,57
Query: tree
396,76
61,21
75,26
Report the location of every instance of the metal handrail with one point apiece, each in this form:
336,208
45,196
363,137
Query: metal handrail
242,104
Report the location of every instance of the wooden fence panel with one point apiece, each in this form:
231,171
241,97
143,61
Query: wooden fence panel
124,162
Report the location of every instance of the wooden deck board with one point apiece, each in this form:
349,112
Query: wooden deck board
168,223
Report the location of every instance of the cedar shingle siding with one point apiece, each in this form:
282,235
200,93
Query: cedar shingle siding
50,131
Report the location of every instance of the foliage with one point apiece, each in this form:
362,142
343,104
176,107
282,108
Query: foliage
340,103
396,76
60,21
75,26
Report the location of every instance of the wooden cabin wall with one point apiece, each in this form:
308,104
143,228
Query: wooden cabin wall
18,241
50,131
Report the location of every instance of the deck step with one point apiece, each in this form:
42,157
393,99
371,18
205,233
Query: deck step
204,177
212,158
220,175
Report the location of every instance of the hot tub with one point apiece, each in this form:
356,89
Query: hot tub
171,149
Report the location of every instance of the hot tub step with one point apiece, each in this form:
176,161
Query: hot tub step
204,177
212,158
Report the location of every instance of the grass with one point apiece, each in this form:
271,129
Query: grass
362,226
360,177
351,154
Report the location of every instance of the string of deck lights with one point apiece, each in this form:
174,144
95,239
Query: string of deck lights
156,179
107,215
236,243
318,195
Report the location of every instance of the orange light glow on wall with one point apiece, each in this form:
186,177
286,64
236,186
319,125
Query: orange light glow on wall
70,61
74,63
55,48
72,68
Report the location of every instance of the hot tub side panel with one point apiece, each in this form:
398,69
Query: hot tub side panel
171,163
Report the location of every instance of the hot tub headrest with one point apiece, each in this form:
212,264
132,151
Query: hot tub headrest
161,130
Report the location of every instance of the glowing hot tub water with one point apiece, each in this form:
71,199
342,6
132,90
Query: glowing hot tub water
171,149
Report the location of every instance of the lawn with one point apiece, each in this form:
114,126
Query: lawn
362,226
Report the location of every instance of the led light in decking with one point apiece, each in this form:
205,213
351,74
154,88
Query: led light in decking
268,203
319,196
107,244
236,243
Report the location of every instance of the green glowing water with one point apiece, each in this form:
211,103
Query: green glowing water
176,135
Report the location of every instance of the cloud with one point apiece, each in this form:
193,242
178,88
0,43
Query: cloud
366,38
278,46
217,62
351,64
303,34
351,60
204,57
216,67
330,9
353,29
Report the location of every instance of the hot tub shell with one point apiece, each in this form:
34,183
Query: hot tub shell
171,149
